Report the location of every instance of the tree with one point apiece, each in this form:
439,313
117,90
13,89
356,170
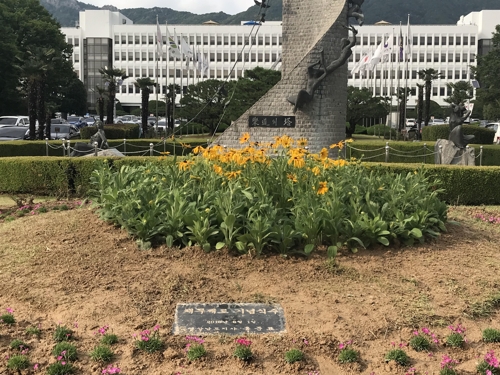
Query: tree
161,107
249,89
487,73
205,102
112,78
100,102
461,91
420,107
428,76
170,103
145,85
74,97
362,104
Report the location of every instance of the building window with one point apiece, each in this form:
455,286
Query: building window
441,91
77,42
150,71
443,57
117,56
436,41
443,40
429,57
150,39
130,89
137,72
124,39
143,56
77,57
429,40
150,56
219,40
137,39
117,39
130,56
130,39
137,56
472,40
70,41
450,40
457,57
466,40
422,40
458,40
124,56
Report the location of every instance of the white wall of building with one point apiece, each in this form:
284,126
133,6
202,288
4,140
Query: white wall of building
450,49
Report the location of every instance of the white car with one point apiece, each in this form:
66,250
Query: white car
496,127
437,121
14,121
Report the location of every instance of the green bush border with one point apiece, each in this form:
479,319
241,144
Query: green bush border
38,148
62,176
374,151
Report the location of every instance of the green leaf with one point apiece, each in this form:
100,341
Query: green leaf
169,240
332,252
240,246
417,233
219,245
308,249
207,247
383,240
247,194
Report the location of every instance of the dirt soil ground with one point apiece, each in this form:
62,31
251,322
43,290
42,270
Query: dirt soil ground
71,268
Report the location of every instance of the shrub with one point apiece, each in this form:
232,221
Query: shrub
195,351
447,371
115,131
7,318
18,363
491,335
482,136
243,350
102,353
65,351
399,356
294,355
62,333
381,130
150,342
31,330
420,343
489,365
455,340
348,355
360,129
109,339
18,345
60,368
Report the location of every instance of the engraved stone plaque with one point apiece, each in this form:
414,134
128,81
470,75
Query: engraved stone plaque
228,318
271,121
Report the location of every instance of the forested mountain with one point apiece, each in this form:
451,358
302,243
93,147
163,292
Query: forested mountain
425,12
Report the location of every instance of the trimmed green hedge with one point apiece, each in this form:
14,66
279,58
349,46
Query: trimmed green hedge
70,176
482,136
137,146
381,130
412,152
114,131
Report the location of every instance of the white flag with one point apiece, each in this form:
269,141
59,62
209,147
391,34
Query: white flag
365,61
409,41
206,64
173,46
159,40
377,56
199,59
185,49
388,47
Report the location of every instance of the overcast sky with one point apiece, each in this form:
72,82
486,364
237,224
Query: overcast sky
193,6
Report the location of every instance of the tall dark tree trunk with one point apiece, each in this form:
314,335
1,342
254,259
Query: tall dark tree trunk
32,109
420,107
170,122
427,114
111,104
145,110
100,106
48,116
40,108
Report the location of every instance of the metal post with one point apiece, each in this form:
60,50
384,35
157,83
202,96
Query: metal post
151,149
68,147
46,147
467,151
95,148
64,147
481,156
387,152
164,146
440,153
124,147
425,153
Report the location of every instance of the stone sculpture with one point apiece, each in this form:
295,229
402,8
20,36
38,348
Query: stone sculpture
318,71
82,149
458,116
355,11
454,150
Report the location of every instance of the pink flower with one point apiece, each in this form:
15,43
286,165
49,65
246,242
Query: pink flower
243,341
75,324
426,330
305,342
9,310
156,327
35,367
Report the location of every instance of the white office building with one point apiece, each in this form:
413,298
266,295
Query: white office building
106,38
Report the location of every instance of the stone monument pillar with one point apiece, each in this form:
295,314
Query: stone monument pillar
313,31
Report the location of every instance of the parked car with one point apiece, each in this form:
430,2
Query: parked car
90,121
437,121
77,121
13,133
61,131
496,127
128,119
14,121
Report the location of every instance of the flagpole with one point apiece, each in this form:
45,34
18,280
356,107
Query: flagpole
157,75
391,82
407,73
